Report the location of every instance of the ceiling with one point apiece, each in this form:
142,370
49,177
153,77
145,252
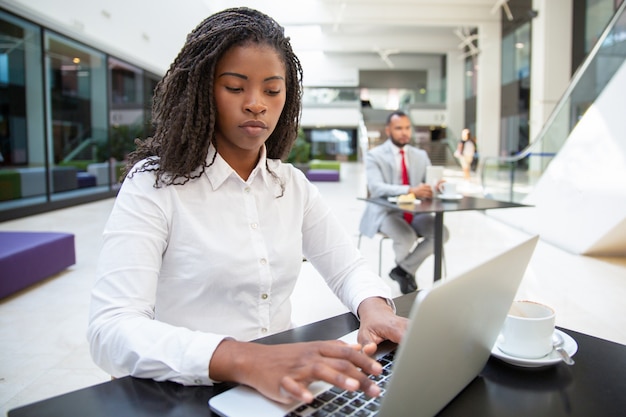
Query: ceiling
383,27
154,31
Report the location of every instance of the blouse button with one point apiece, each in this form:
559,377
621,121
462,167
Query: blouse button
264,330
263,261
247,189
264,296
254,225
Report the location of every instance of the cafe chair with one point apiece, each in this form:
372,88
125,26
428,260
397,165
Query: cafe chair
384,237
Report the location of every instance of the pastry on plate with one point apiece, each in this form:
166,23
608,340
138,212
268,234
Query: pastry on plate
406,198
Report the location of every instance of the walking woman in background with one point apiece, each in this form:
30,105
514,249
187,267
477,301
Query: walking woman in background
466,152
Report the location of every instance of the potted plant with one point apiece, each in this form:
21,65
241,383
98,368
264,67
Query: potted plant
300,153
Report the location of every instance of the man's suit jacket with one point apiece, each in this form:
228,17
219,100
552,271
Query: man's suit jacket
383,174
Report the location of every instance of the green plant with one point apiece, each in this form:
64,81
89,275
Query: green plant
301,150
121,142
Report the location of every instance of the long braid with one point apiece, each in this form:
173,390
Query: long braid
184,107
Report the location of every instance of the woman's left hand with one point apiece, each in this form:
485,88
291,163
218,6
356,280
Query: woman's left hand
379,323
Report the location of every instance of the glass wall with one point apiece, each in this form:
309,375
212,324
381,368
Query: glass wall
22,154
130,110
597,14
516,49
471,79
76,103
471,51
332,144
69,115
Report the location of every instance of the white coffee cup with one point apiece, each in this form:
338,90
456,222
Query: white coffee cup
527,330
448,188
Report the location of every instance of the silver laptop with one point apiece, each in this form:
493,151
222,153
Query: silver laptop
453,327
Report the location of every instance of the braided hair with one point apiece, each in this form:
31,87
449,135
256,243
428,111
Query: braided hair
184,110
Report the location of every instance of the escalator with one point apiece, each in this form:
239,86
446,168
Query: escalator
573,175
513,178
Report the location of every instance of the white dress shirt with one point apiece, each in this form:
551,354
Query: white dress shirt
184,266
398,155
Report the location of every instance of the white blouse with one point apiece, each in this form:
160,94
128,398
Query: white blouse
184,266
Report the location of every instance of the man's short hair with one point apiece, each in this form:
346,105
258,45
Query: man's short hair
398,113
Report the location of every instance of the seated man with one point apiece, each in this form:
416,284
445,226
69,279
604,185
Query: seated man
392,169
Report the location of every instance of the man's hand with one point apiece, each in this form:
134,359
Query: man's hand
422,191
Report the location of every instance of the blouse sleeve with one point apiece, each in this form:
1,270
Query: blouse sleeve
328,246
124,337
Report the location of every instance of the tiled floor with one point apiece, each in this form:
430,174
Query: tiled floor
42,339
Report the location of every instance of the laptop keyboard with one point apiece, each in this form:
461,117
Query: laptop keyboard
337,402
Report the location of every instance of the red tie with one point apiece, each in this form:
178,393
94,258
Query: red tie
405,181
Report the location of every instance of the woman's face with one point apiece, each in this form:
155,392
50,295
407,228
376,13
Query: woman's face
250,93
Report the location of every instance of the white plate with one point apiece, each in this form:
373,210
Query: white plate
450,197
552,358
395,200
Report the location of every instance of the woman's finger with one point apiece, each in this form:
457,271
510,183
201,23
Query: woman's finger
354,358
292,390
344,374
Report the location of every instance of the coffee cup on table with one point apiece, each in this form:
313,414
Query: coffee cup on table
448,189
527,330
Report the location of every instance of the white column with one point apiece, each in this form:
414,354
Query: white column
455,93
551,59
489,88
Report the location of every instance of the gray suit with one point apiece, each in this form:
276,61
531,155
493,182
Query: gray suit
383,180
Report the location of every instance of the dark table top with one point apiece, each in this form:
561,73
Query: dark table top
437,205
594,386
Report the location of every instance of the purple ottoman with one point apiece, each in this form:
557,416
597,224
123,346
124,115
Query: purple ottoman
29,257
322,175
85,179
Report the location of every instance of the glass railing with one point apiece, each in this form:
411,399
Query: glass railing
513,178
377,98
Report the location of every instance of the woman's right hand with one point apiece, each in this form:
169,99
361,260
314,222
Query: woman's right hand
284,372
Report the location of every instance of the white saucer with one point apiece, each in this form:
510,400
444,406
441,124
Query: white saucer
450,197
395,200
552,358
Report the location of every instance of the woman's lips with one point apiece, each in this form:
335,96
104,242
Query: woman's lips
253,127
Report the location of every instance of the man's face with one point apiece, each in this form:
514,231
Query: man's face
399,130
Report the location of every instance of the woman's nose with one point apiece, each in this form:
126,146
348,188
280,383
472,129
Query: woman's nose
255,105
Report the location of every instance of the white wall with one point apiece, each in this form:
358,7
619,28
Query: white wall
551,59
489,89
424,117
322,117
455,94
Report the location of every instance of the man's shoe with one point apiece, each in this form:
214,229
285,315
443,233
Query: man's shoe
406,280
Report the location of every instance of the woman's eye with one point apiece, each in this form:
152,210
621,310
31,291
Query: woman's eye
234,89
273,92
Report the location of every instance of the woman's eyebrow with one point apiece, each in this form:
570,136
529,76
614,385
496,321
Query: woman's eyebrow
234,74
245,77
275,77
